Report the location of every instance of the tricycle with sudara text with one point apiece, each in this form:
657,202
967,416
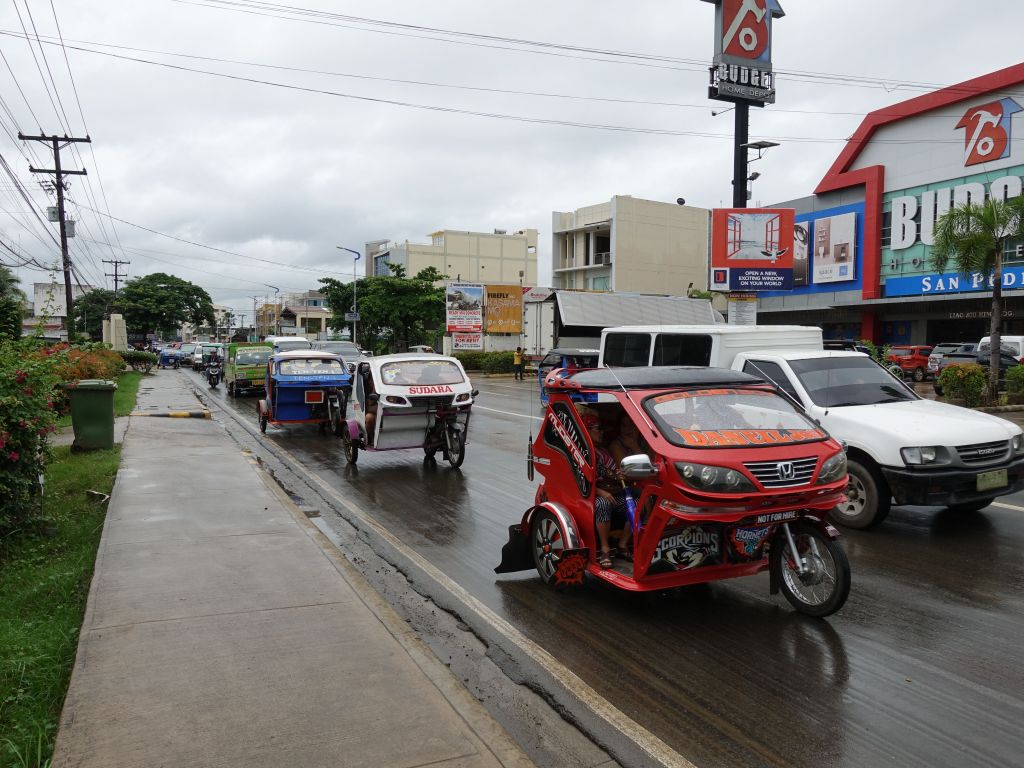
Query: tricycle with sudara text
732,480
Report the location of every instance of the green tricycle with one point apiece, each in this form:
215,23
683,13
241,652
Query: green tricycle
246,366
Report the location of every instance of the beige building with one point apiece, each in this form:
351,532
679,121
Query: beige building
302,313
498,257
631,245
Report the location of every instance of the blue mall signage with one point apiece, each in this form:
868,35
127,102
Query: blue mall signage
952,282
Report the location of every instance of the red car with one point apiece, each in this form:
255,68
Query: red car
911,359
736,481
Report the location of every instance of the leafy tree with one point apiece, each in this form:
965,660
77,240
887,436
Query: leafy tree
161,303
91,308
394,311
975,236
11,302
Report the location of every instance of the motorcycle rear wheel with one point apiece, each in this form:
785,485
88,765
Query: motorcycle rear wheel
263,420
824,588
350,445
457,452
547,543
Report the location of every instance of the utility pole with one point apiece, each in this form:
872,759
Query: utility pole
59,143
117,275
255,329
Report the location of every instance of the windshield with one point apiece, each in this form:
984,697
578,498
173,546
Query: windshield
285,344
729,418
832,382
187,349
257,356
344,348
407,373
310,367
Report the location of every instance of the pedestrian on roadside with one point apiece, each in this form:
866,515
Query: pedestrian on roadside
517,363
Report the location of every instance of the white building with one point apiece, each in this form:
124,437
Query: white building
48,300
631,245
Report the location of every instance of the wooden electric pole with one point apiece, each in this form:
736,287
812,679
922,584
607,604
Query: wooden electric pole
58,144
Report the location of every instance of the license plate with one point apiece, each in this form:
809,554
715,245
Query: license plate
989,480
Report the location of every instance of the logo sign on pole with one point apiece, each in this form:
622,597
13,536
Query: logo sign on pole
351,317
752,249
742,66
464,304
987,131
504,309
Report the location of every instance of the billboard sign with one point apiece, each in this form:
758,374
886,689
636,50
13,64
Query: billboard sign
752,249
467,341
504,309
742,65
834,249
464,307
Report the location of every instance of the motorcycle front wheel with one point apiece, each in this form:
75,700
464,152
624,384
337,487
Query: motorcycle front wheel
350,445
823,588
457,447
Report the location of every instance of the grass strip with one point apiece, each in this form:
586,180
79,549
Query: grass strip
45,572
124,397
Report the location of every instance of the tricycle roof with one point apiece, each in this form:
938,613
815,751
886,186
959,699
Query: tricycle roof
655,377
305,354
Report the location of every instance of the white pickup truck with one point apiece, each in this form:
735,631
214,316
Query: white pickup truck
900,446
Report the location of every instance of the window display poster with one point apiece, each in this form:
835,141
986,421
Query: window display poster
752,249
467,341
833,244
464,304
801,242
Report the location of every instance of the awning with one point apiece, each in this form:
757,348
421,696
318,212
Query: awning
605,310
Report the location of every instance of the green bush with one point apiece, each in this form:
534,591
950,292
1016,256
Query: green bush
27,380
1015,380
498,362
139,360
964,382
471,361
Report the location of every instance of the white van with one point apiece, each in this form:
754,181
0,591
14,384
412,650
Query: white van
287,343
714,345
1012,344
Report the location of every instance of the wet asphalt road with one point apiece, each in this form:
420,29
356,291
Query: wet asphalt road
922,667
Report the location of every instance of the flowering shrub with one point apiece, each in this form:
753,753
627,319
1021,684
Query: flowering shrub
964,382
92,361
27,381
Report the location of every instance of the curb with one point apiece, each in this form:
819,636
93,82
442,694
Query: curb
1001,409
203,414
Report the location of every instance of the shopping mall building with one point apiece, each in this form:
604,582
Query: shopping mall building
863,266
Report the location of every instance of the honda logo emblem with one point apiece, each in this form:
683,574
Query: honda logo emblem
786,470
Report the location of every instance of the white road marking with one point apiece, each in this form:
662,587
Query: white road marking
1004,505
504,386
507,413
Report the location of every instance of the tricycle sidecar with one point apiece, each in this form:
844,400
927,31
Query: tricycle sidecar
412,400
732,480
304,387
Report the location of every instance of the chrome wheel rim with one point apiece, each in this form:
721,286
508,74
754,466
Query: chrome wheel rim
856,499
818,583
548,547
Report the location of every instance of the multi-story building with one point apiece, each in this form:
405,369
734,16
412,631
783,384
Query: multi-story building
303,313
631,245
481,257
48,301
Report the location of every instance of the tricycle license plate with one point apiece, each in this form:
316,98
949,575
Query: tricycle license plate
989,480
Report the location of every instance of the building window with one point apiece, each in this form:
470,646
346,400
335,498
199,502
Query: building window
601,283
312,324
886,228
380,265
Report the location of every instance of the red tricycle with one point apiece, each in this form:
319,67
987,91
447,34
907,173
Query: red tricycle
732,479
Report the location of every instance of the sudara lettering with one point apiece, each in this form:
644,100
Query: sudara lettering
434,390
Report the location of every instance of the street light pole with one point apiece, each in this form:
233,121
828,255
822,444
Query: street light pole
277,310
355,288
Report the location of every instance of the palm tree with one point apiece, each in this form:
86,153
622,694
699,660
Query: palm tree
975,236
9,286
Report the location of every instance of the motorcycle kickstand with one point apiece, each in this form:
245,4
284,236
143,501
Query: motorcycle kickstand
801,566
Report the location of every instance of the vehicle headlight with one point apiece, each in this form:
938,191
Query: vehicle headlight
704,477
463,398
1017,443
833,469
929,454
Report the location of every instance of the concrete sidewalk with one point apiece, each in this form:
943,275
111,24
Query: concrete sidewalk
222,629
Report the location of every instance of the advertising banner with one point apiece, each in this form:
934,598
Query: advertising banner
464,305
834,248
742,309
952,282
742,66
752,249
467,341
504,309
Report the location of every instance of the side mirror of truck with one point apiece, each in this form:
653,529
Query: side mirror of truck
638,467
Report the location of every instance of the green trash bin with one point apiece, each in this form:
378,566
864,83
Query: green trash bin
92,413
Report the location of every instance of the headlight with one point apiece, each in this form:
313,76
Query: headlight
464,397
703,477
833,469
1018,443
929,454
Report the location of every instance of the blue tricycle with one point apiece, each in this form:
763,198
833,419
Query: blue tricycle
305,387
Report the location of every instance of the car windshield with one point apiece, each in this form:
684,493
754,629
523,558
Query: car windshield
901,352
285,344
343,348
257,356
407,373
309,366
187,349
942,349
729,418
832,382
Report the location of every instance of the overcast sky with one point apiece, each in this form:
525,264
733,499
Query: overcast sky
286,174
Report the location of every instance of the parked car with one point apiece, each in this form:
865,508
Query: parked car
911,359
1006,360
349,352
1012,344
946,348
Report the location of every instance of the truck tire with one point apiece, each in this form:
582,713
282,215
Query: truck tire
868,498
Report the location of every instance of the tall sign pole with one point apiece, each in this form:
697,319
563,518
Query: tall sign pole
741,71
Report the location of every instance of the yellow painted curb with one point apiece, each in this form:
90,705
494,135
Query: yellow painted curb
204,414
